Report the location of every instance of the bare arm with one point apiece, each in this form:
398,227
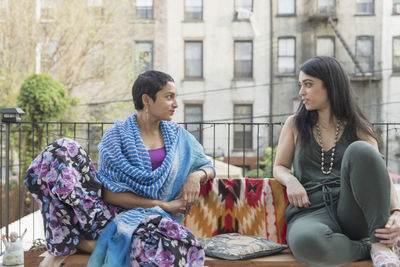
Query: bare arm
296,193
127,200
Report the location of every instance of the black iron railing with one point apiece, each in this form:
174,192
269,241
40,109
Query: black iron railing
229,144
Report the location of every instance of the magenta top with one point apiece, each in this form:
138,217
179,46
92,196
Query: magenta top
157,157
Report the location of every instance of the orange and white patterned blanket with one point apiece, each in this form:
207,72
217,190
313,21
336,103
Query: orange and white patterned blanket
244,206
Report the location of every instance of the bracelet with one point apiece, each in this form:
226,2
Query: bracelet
393,210
203,170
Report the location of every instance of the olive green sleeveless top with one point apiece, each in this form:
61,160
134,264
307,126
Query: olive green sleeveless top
322,189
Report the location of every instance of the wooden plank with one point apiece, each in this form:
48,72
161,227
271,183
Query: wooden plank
284,259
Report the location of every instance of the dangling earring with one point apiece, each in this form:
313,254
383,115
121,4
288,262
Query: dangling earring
147,113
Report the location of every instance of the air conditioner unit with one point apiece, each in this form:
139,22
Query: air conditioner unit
242,14
396,9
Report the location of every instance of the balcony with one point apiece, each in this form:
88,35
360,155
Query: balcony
28,139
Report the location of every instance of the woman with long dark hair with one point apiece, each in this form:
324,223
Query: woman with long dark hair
343,206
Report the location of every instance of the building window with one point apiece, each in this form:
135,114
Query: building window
286,55
326,46
242,135
96,8
365,54
287,7
243,59
46,58
144,56
193,9
144,9
193,59
396,54
3,9
396,6
193,118
47,10
95,61
327,7
365,7
243,9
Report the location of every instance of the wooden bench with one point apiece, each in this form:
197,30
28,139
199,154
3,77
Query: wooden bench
246,206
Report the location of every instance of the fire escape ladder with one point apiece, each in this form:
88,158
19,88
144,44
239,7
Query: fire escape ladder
339,35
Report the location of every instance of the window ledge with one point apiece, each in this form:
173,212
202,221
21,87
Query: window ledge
364,15
189,79
150,21
243,79
193,21
395,74
285,75
286,15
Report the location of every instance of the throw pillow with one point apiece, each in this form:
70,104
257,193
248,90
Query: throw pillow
234,246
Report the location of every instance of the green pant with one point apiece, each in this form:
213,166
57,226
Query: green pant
318,239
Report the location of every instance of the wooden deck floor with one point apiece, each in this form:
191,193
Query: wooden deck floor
284,259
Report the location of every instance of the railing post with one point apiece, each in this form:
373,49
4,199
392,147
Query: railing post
10,115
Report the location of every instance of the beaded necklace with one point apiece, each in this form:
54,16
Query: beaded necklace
323,151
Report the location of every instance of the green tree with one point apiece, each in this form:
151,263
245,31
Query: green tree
268,161
43,99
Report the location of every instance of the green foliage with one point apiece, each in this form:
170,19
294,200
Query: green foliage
43,98
253,174
268,161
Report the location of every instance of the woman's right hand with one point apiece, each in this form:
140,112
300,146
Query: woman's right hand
296,194
174,207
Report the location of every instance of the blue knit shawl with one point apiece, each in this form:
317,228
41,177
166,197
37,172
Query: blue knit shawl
125,166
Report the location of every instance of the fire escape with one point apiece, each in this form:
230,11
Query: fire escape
327,14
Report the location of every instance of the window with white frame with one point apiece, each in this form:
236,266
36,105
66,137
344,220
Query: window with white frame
47,10
193,119
286,55
396,54
144,56
396,6
326,46
144,9
243,9
242,135
327,6
3,9
365,7
95,61
243,59
286,7
96,8
193,9
365,54
46,58
193,59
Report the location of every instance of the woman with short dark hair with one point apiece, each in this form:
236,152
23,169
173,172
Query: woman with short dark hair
343,205
149,176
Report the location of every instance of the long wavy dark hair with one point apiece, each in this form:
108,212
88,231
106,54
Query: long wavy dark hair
343,102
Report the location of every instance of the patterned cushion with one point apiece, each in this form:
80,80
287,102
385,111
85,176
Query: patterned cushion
234,246
245,206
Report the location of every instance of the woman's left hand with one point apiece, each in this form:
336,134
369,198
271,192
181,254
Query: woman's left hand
190,190
390,234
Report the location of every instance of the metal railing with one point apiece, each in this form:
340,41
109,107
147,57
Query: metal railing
239,144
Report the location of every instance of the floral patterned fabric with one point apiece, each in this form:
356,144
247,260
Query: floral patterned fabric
63,181
161,241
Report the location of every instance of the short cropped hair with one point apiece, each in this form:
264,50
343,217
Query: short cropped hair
149,82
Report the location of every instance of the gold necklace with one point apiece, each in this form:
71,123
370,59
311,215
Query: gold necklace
323,151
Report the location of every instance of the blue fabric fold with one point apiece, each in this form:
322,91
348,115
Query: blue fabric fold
125,166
